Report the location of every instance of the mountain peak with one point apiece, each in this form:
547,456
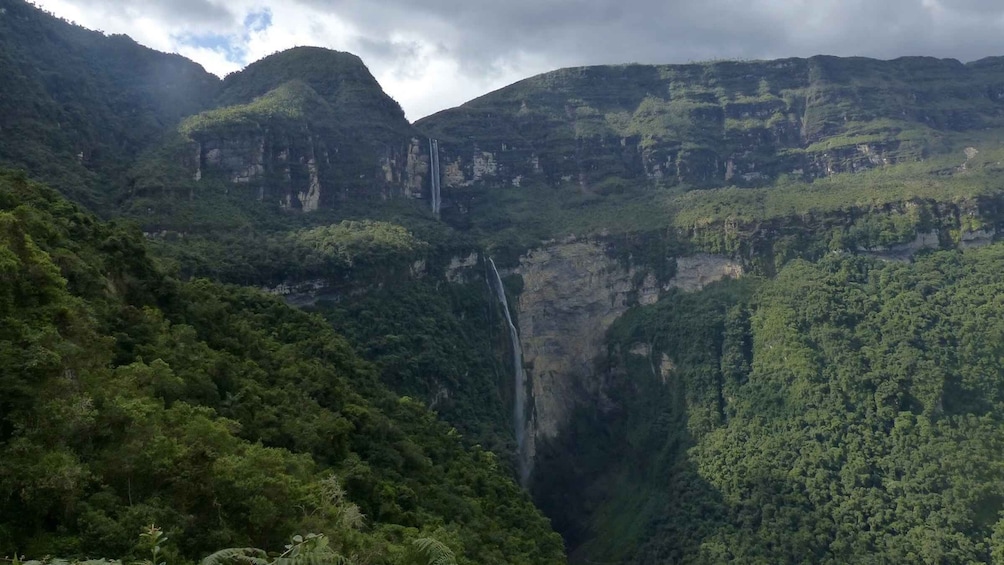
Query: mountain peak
340,78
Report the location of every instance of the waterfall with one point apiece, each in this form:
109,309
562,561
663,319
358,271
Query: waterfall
519,381
434,175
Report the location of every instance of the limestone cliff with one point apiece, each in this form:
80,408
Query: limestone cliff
714,124
282,168
573,291
307,128
303,169
895,230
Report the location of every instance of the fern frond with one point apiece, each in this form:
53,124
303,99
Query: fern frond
240,555
323,558
435,551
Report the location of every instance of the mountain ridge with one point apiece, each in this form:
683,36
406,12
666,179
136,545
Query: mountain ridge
746,298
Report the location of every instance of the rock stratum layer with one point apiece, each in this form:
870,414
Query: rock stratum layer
736,123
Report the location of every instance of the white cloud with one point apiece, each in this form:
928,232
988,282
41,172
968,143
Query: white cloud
440,53
213,60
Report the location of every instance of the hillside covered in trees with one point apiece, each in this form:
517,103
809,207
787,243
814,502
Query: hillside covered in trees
755,307
225,417
846,411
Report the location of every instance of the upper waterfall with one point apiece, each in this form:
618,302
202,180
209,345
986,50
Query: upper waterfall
435,176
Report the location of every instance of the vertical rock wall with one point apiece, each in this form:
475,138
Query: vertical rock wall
572,293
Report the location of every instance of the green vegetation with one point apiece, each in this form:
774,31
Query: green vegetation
341,79
350,242
441,342
287,102
79,106
848,411
225,417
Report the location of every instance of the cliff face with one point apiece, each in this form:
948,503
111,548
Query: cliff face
304,170
311,138
598,129
306,128
573,292
713,124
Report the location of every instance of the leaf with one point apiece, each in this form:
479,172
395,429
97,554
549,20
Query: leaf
243,555
435,551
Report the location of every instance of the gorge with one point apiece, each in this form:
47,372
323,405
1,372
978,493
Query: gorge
716,312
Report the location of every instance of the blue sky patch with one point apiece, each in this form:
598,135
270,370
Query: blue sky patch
231,46
258,21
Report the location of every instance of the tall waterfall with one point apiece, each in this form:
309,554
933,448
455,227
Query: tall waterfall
519,381
437,199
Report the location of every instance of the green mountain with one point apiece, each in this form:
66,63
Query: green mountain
307,127
226,418
624,148
305,130
754,304
105,120
713,124
679,418
78,106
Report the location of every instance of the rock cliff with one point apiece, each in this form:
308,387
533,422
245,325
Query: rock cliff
573,291
307,128
737,123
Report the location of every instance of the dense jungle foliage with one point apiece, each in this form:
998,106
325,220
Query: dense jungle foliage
829,408
848,411
225,417
78,106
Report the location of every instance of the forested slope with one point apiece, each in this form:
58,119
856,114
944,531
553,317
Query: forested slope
827,407
77,106
223,416
848,411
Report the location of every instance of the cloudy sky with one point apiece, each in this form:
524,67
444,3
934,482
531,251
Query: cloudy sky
434,54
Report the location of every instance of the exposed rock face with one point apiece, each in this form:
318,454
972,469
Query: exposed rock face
305,171
695,272
303,293
931,240
307,128
310,199
743,124
460,268
905,251
284,167
416,169
713,124
976,238
572,293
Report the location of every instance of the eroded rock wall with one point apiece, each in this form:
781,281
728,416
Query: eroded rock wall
573,292
304,171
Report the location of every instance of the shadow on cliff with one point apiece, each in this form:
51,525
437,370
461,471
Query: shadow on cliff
618,484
